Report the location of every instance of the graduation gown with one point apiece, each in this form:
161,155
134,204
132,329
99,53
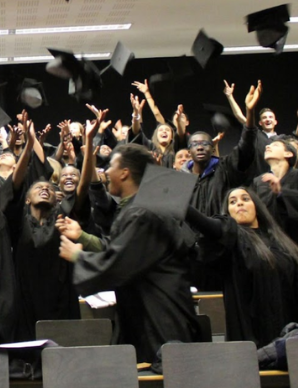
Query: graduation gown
8,302
223,174
284,206
145,263
44,280
259,299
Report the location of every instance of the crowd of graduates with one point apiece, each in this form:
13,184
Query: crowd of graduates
69,226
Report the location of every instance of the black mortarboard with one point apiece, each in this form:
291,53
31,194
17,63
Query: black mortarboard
204,48
165,191
32,93
84,76
65,65
176,70
270,26
4,118
120,58
222,117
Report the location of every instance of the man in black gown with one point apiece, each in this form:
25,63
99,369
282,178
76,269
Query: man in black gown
145,263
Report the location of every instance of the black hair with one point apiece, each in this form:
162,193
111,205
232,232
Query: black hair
288,147
134,157
268,225
199,133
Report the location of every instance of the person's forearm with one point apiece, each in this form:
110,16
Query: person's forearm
250,118
20,171
236,110
209,227
90,242
38,150
154,108
135,123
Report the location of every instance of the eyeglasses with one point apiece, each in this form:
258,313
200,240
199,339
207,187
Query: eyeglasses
204,143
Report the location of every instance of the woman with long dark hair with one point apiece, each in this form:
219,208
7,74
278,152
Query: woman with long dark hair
258,264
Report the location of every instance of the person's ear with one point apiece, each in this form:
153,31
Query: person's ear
28,201
124,174
288,154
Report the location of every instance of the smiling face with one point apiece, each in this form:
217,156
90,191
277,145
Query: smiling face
268,121
41,194
164,135
114,176
242,208
69,179
180,158
105,150
201,148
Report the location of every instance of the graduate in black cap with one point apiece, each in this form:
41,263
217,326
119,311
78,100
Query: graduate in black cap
145,261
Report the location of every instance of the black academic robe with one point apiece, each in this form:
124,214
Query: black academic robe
8,302
230,171
145,264
259,299
221,175
44,280
284,206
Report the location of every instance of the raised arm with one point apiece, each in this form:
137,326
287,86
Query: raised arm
228,91
251,100
19,172
144,88
137,109
87,168
180,122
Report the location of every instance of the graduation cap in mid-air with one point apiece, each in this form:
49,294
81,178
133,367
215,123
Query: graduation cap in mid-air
175,70
120,58
165,191
222,117
85,79
84,76
205,49
32,93
270,27
4,118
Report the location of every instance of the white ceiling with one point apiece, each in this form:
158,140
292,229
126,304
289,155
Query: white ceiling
160,28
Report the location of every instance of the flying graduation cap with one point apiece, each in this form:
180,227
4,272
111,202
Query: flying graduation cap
4,118
205,49
32,93
270,27
85,79
221,117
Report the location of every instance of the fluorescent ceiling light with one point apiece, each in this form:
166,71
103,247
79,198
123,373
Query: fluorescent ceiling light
247,49
56,30
294,19
4,32
45,58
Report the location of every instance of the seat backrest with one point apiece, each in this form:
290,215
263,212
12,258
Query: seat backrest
292,358
205,365
76,332
4,369
205,328
90,366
